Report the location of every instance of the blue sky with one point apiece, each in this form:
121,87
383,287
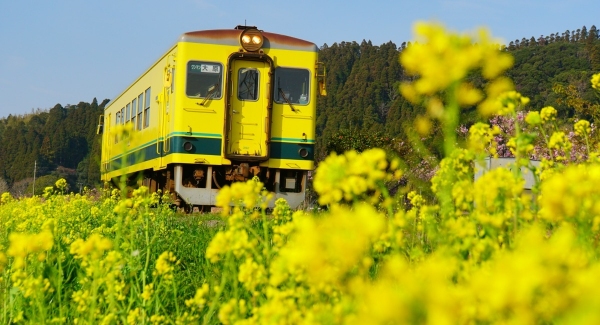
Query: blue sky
67,51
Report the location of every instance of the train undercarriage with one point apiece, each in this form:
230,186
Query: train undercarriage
195,187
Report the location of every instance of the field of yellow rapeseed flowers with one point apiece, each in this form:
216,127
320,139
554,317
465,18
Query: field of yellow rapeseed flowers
482,252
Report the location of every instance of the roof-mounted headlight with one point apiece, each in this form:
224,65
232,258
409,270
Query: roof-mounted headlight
251,39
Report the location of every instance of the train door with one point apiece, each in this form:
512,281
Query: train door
163,144
248,111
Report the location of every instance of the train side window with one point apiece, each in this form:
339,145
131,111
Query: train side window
202,77
140,110
127,116
123,115
147,109
291,85
117,122
133,113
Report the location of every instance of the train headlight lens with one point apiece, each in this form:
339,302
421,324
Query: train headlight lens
188,146
303,153
251,39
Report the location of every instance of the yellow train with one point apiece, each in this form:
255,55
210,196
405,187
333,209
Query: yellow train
220,106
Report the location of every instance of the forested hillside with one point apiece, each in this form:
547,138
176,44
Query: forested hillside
363,84
363,107
60,142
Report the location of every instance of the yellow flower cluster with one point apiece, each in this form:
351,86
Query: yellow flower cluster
234,240
230,311
582,128
158,319
451,169
30,286
5,198
248,193
548,114
134,316
441,59
508,102
546,169
559,141
462,193
522,147
572,195
415,199
282,213
533,118
251,275
165,265
349,176
496,194
200,298
81,299
596,81
22,245
481,139
61,184
317,255
148,291
91,249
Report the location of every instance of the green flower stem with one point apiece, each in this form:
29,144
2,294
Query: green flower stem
587,144
255,234
94,296
5,293
386,195
147,262
175,297
547,140
267,242
450,123
450,119
215,300
517,173
60,277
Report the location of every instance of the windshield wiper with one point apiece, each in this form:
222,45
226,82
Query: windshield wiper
287,100
211,92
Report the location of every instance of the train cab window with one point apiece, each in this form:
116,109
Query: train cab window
248,84
291,85
204,79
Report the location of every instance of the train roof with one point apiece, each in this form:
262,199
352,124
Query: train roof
232,37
